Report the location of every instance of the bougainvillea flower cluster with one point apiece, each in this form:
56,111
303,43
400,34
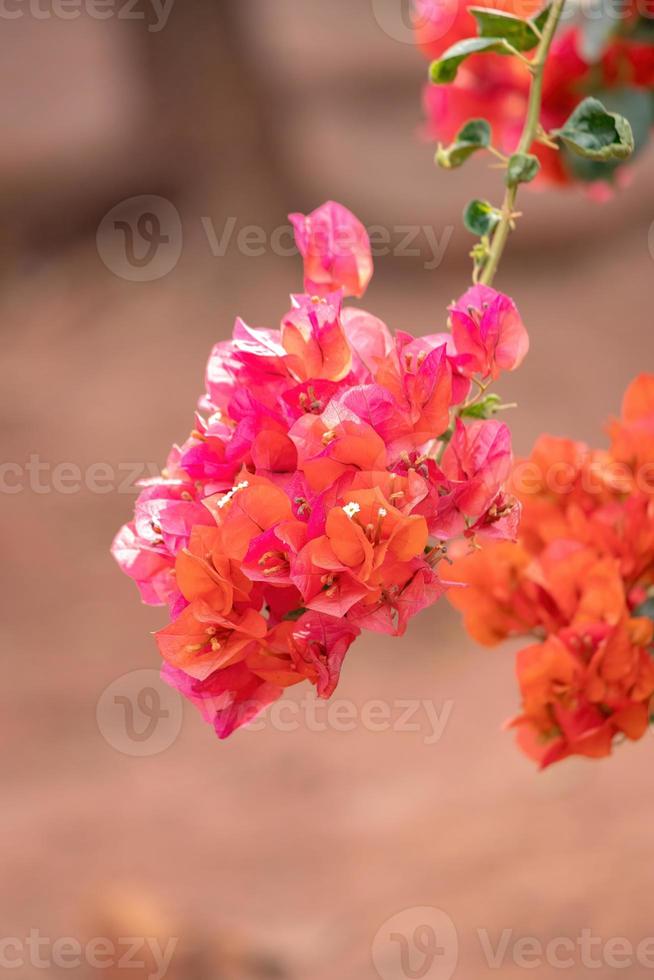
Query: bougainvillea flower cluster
580,584
611,59
329,466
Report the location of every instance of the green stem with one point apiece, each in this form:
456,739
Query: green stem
529,133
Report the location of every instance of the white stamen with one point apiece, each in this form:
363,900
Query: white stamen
228,496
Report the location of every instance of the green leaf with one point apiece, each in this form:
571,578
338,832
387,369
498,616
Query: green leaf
480,217
483,409
522,168
638,107
475,135
518,32
541,18
444,70
635,104
597,134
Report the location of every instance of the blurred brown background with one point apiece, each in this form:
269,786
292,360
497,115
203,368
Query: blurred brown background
277,853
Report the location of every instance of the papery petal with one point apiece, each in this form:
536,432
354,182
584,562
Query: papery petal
487,327
336,250
227,699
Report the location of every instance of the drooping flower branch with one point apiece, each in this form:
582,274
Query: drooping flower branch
522,164
333,465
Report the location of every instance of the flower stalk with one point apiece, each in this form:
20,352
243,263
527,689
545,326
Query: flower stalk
528,137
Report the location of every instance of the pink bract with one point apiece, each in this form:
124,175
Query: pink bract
486,325
336,250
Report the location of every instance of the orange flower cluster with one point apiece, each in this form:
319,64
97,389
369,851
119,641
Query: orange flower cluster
580,582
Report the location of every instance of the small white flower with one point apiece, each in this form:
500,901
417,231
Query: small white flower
352,509
383,512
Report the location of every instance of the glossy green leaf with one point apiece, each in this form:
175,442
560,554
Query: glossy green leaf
475,135
522,168
444,70
518,32
597,134
480,217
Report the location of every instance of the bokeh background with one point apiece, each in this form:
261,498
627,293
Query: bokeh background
277,854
